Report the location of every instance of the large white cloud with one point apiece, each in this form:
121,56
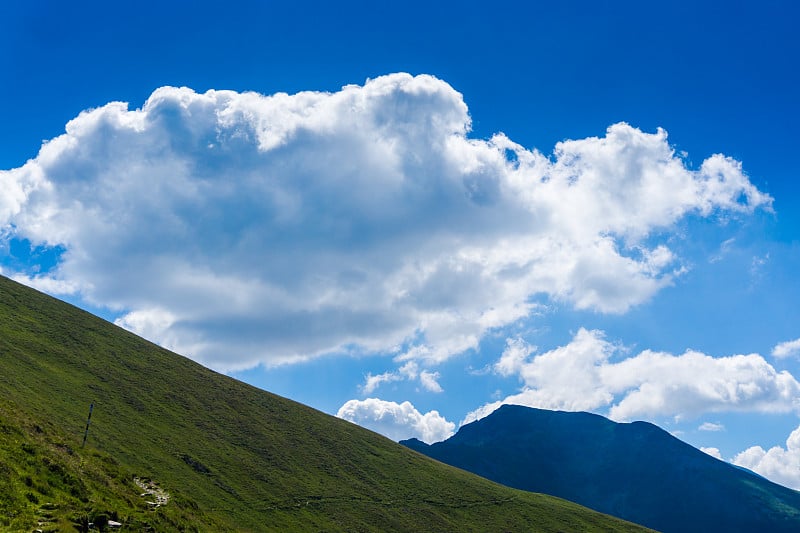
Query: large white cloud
243,229
583,376
781,465
397,421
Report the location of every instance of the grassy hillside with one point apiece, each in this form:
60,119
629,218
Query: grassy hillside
230,457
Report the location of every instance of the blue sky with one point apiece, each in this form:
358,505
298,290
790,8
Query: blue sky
576,205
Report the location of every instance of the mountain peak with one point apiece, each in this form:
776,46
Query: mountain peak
634,470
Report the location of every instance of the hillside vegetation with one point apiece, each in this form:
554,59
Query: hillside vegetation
173,446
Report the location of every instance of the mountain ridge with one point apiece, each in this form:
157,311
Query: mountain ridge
634,470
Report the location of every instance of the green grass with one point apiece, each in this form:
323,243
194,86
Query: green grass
232,457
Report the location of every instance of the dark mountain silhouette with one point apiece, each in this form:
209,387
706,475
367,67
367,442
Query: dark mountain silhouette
635,471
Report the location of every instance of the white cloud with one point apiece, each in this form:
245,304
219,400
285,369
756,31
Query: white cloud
787,349
409,371
429,381
373,382
724,249
514,356
46,284
781,465
485,410
581,376
713,452
397,421
277,228
711,426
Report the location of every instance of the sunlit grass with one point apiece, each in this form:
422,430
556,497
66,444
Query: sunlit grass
230,456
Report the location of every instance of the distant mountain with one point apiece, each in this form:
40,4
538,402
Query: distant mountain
636,471
173,446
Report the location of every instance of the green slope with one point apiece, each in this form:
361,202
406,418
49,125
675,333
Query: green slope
231,457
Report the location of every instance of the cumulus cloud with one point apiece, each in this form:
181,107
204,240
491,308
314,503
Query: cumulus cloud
781,465
270,229
787,349
711,426
514,357
397,421
581,376
46,284
713,452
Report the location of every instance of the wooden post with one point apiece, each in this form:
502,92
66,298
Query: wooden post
86,433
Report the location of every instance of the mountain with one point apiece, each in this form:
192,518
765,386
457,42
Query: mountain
636,471
174,446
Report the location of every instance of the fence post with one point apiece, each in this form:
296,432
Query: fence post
86,433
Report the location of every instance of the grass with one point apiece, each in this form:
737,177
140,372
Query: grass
231,457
